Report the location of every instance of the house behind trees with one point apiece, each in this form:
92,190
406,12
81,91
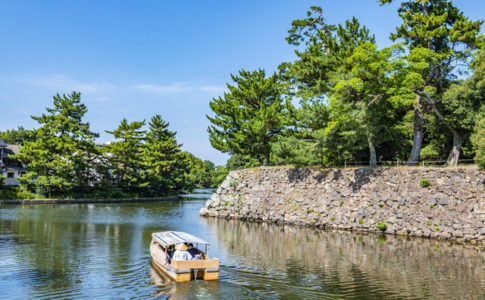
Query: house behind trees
9,168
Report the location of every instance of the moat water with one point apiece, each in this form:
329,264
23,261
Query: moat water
101,251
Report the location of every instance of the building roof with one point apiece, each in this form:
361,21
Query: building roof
10,150
176,237
14,148
2,143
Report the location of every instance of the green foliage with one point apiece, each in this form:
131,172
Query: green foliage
248,117
62,149
437,228
439,38
332,218
478,139
431,205
380,204
124,155
161,172
424,183
318,131
309,211
16,192
381,226
341,203
218,176
361,221
428,223
357,102
239,161
17,136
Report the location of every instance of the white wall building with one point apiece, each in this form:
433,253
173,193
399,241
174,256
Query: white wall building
10,168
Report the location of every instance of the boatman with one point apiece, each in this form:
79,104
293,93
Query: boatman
181,252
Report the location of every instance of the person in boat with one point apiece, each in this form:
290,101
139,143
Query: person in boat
194,252
181,252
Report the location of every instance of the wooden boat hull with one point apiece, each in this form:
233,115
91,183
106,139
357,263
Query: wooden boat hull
185,270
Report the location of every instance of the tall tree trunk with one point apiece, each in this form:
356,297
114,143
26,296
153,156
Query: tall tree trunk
454,155
372,152
418,132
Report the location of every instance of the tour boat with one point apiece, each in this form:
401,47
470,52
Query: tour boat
161,249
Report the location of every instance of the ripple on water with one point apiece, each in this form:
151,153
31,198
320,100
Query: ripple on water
101,251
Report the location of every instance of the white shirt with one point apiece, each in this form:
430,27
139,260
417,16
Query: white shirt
181,255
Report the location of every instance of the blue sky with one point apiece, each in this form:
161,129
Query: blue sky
134,59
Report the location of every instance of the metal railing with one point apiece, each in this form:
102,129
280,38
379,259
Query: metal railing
385,163
402,163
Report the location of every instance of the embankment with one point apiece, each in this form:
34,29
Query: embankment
451,205
86,200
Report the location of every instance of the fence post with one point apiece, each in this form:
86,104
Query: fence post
345,164
423,164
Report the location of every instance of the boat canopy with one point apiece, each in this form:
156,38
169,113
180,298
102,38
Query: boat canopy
168,238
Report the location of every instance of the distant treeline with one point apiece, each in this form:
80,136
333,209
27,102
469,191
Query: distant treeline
143,160
346,99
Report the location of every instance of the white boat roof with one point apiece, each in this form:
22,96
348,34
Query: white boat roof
177,237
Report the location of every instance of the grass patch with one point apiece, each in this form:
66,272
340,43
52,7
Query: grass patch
381,226
424,183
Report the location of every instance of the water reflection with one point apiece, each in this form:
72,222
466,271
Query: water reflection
285,260
101,251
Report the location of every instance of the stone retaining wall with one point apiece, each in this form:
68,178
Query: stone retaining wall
392,200
74,201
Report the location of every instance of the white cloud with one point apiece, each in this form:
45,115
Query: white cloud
61,83
176,88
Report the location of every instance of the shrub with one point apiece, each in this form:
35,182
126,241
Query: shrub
341,203
437,228
428,222
382,226
431,205
309,211
381,205
424,182
361,221
332,218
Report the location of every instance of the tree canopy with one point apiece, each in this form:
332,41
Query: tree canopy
249,116
346,99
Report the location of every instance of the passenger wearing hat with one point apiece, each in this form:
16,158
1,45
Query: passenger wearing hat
181,252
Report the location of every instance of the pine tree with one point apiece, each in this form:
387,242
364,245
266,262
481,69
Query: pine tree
60,157
248,117
312,78
439,38
159,158
124,155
